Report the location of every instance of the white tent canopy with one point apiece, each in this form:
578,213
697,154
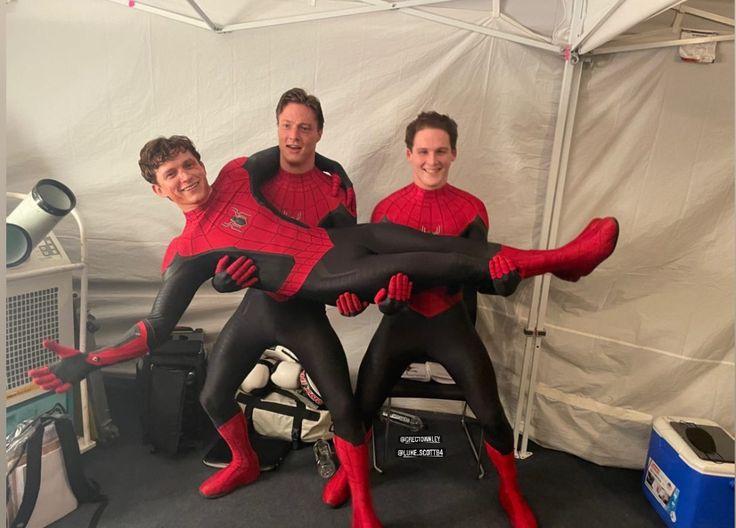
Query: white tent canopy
547,141
553,25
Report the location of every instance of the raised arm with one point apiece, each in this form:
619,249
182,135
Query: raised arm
181,282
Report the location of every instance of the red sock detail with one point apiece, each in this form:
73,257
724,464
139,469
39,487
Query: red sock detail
244,467
575,259
519,512
354,460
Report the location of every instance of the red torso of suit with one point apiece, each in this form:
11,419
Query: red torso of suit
232,218
307,198
447,211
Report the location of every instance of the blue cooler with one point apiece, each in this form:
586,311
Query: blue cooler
689,473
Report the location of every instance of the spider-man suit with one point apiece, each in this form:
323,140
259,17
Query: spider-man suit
262,321
320,264
438,326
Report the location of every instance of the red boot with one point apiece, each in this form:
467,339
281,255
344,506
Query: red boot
337,489
244,467
520,515
575,259
354,460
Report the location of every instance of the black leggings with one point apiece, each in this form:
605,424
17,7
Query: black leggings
302,327
364,258
449,339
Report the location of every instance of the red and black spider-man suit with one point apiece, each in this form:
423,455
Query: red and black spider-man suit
301,325
298,324
320,264
438,326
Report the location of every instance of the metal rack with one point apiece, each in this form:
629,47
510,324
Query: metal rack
28,391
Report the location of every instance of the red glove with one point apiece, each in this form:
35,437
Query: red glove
75,365
336,184
504,274
397,297
236,276
60,376
350,201
349,305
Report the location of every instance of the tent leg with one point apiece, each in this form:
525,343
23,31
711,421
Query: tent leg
555,189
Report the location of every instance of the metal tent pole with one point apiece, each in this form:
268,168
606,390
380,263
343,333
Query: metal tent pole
86,443
534,330
204,17
661,44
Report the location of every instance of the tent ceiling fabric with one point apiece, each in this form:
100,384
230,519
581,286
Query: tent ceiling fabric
648,334
605,19
565,23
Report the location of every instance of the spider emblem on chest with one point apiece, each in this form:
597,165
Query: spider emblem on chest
237,221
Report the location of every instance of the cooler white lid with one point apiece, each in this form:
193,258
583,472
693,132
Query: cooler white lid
663,428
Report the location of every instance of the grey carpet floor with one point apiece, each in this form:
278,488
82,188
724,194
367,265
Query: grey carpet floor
152,491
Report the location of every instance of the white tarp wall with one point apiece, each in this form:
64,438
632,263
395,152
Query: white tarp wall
648,334
651,332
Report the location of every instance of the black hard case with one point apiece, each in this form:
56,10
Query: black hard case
170,379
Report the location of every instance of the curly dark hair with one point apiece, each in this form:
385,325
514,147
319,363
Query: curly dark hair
160,150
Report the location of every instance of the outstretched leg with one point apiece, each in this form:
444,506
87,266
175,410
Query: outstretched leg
572,261
364,258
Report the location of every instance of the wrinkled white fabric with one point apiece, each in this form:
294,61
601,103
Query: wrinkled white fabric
649,333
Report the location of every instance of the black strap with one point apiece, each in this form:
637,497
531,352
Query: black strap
98,512
33,477
296,424
299,412
85,490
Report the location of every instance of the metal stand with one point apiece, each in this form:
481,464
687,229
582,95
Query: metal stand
85,442
475,450
555,189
